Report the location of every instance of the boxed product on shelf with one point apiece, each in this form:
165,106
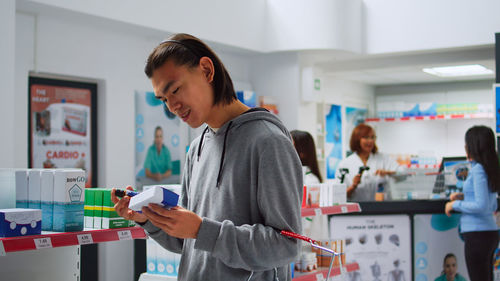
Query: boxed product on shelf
98,199
165,261
34,191
307,262
20,222
151,247
110,218
324,194
88,208
47,198
311,196
22,188
69,195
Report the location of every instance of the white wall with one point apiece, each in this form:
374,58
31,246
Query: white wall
440,138
396,26
278,76
371,26
7,66
314,24
258,25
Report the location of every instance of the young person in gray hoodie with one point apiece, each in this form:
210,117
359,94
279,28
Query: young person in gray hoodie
242,181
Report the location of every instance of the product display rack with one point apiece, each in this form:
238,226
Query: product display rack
332,210
321,273
64,239
436,117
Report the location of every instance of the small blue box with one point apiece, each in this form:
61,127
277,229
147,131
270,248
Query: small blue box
20,222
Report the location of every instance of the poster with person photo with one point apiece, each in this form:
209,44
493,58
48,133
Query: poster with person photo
159,143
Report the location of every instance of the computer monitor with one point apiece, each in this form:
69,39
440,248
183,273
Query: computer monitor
452,174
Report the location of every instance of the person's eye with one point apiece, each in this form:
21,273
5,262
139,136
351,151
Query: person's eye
176,90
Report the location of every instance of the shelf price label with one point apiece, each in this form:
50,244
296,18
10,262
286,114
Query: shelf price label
2,249
317,212
84,239
343,209
43,243
124,235
320,277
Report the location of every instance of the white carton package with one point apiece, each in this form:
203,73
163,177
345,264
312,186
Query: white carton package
22,188
157,195
47,198
69,195
34,190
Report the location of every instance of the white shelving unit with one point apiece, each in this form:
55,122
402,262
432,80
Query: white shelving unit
54,255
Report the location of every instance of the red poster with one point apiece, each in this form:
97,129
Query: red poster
62,125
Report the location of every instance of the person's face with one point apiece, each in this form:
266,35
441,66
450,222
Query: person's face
367,142
188,93
450,266
159,138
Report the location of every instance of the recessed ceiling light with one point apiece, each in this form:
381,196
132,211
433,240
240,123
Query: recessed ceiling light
458,70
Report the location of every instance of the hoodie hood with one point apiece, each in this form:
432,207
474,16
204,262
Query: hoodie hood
253,114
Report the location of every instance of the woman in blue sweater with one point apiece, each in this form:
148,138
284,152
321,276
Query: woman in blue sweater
478,202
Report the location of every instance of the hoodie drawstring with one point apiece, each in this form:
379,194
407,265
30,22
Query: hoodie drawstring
201,141
223,153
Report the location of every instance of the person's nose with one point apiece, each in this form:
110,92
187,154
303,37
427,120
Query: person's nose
173,104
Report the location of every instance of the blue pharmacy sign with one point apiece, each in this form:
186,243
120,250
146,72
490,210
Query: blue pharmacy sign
497,106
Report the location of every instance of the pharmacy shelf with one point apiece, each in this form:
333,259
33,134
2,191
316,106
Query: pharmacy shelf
63,239
321,273
332,210
437,117
156,277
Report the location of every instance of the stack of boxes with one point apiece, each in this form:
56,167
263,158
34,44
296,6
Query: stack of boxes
57,195
100,212
324,195
160,261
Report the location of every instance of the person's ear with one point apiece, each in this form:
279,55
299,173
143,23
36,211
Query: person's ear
207,67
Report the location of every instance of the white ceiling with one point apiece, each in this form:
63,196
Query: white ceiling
389,69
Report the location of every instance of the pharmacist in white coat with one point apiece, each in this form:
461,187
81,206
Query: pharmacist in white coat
366,171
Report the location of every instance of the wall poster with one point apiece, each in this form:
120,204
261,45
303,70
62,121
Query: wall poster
159,143
333,140
497,106
380,244
62,117
435,237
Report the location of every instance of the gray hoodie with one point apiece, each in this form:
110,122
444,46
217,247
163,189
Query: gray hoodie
245,181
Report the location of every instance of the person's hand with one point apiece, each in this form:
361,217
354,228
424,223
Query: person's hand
448,208
177,222
383,173
456,196
121,207
356,180
157,177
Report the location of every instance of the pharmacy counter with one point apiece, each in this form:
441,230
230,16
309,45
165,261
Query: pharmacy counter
400,238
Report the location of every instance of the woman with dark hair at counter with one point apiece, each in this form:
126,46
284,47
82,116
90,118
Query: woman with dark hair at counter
366,169
478,202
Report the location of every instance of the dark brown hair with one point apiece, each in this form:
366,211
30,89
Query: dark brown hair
480,147
304,144
187,50
362,130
